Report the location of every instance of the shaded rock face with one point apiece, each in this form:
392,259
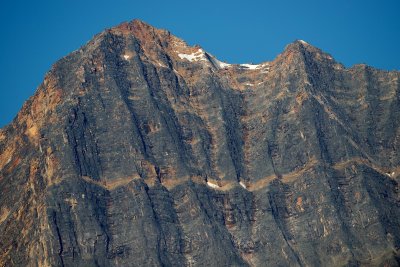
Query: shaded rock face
139,150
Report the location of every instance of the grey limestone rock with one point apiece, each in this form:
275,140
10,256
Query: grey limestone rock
139,150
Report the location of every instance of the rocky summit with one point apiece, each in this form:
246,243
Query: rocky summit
140,150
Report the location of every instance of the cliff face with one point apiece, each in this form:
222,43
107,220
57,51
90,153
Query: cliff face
139,150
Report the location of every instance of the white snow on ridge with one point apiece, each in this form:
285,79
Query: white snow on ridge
190,57
217,63
254,66
303,42
201,55
196,56
221,64
250,66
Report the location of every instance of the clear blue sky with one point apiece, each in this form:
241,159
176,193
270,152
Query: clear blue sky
34,34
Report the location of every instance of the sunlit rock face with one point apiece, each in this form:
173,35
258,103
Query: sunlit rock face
140,150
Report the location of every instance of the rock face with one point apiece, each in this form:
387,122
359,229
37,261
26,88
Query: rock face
139,150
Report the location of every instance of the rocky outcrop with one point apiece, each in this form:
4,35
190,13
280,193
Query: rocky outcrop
139,150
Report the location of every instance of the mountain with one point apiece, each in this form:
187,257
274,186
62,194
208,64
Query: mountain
140,150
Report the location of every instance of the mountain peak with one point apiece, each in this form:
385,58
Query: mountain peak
300,44
303,42
141,150
136,27
156,41
303,50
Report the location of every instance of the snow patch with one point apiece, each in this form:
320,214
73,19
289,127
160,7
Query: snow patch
201,55
242,185
212,185
250,66
255,66
303,42
196,56
220,64
337,67
126,57
390,174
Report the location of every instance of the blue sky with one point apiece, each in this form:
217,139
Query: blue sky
34,34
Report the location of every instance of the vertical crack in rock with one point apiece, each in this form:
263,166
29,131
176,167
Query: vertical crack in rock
278,218
60,242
